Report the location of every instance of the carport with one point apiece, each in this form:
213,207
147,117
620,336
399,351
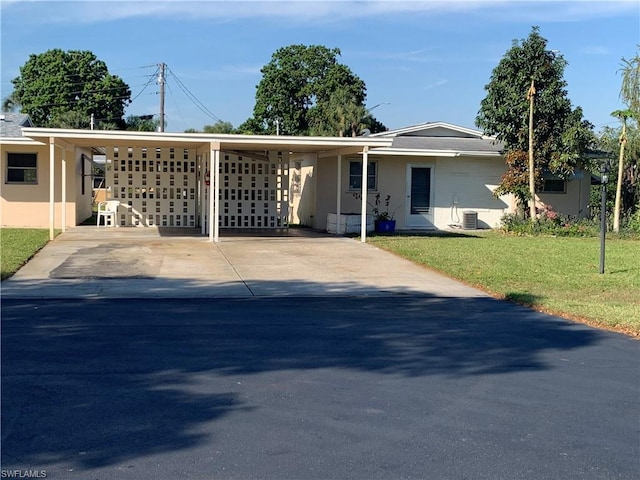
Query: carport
173,179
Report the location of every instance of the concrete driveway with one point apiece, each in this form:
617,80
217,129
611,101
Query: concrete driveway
90,262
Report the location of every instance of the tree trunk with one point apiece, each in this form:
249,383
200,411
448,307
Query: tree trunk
617,207
532,182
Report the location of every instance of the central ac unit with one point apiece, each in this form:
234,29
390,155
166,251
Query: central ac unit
470,220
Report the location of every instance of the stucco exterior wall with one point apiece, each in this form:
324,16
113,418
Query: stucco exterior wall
573,202
302,178
28,205
458,184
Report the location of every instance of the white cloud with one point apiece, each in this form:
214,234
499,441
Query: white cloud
435,84
90,11
595,50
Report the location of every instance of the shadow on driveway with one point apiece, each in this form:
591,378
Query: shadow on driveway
89,384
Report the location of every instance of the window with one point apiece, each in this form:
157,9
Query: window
355,176
554,186
22,168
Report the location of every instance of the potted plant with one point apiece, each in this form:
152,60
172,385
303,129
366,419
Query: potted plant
383,219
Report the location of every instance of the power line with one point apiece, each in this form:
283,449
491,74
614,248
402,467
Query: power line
193,98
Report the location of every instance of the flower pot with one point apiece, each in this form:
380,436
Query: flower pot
385,226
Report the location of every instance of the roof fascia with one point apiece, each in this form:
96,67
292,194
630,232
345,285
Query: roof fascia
20,141
431,153
225,140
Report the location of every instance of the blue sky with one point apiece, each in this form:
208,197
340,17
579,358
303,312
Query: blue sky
421,60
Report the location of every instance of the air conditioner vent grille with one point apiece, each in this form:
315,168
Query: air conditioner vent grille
470,220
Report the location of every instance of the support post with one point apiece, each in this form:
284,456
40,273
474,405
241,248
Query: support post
339,194
63,183
211,197
202,168
216,196
365,191
52,198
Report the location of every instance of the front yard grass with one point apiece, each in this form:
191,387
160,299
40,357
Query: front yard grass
558,275
18,245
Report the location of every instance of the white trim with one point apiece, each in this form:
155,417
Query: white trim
226,141
432,153
63,183
429,126
52,198
216,196
339,194
364,192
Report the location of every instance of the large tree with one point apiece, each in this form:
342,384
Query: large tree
305,90
527,109
54,83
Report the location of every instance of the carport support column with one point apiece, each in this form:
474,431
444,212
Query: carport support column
52,198
214,193
63,215
338,194
365,190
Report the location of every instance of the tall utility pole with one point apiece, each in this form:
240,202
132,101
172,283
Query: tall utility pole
161,82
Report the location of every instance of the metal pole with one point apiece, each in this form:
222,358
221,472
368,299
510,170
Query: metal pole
161,80
603,222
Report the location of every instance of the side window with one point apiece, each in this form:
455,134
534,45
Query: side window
355,176
554,186
22,168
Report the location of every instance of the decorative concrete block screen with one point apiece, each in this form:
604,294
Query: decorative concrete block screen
155,186
254,190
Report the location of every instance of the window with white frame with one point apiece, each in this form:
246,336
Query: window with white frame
22,168
355,175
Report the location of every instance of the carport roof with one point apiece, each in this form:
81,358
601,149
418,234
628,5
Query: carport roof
294,144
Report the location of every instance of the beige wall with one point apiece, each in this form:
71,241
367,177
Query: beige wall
28,205
575,201
458,184
302,178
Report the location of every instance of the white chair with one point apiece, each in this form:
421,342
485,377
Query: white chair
109,212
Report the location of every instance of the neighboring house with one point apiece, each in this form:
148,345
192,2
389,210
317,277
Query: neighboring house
25,179
438,176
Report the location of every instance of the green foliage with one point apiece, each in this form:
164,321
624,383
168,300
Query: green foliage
142,123
550,223
305,90
57,82
18,246
609,141
219,127
561,135
630,88
633,222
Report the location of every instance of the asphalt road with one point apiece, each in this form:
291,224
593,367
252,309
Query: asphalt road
404,386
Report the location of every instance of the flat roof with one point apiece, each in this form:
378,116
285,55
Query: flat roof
294,144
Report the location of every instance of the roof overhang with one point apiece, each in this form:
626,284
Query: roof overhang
432,153
293,144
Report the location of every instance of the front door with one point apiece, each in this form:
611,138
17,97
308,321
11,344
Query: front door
419,208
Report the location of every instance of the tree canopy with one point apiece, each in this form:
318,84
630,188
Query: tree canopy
55,83
560,134
306,91
630,88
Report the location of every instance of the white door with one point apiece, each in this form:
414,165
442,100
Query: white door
419,206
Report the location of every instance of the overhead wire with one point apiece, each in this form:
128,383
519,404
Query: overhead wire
193,98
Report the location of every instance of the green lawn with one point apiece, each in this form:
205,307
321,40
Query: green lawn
18,245
558,275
